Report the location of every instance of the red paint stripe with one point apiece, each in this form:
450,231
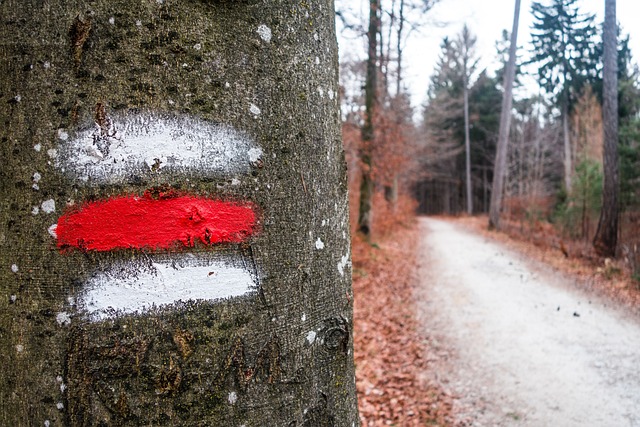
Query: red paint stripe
145,222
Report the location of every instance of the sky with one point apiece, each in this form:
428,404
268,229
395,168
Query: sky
486,19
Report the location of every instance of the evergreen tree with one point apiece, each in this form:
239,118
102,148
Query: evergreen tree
485,100
444,130
447,76
502,48
629,123
444,127
563,48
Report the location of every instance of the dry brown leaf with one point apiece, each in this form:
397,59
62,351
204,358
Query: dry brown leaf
390,351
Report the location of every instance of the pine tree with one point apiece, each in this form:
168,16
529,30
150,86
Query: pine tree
563,44
445,157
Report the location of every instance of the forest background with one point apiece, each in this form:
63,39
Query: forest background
430,148
417,152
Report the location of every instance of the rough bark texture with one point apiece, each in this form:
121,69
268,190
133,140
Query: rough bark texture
466,45
568,158
279,356
499,168
606,237
467,146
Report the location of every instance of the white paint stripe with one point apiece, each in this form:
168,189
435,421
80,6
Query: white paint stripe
145,144
137,287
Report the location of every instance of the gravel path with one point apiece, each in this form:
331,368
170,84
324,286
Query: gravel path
516,345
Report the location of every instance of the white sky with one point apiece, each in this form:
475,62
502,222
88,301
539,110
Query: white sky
486,19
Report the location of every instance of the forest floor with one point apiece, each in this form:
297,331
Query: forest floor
392,352
414,351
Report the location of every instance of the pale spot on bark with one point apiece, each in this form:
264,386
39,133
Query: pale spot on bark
265,33
233,397
63,318
48,206
254,109
311,337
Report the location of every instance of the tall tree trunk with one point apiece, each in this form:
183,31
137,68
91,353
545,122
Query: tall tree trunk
399,47
391,191
467,139
174,291
500,165
447,198
606,237
485,191
365,210
566,136
568,158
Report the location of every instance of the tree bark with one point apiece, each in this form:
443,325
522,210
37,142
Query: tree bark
257,82
500,165
365,210
467,42
606,237
467,142
399,48
568,158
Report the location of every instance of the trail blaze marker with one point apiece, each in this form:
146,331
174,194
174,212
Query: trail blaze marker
166,226
160,280
146,144
148,223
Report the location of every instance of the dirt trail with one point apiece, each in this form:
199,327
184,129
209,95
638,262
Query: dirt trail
517,345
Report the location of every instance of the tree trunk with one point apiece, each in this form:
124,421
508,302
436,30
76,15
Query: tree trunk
399,47
447,198
391,192
485,191
467,139
499,168
606,237
199,273
568,160
365,210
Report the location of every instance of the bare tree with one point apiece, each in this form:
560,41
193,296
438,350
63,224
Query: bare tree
368,130
505,125
467,43
563,49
